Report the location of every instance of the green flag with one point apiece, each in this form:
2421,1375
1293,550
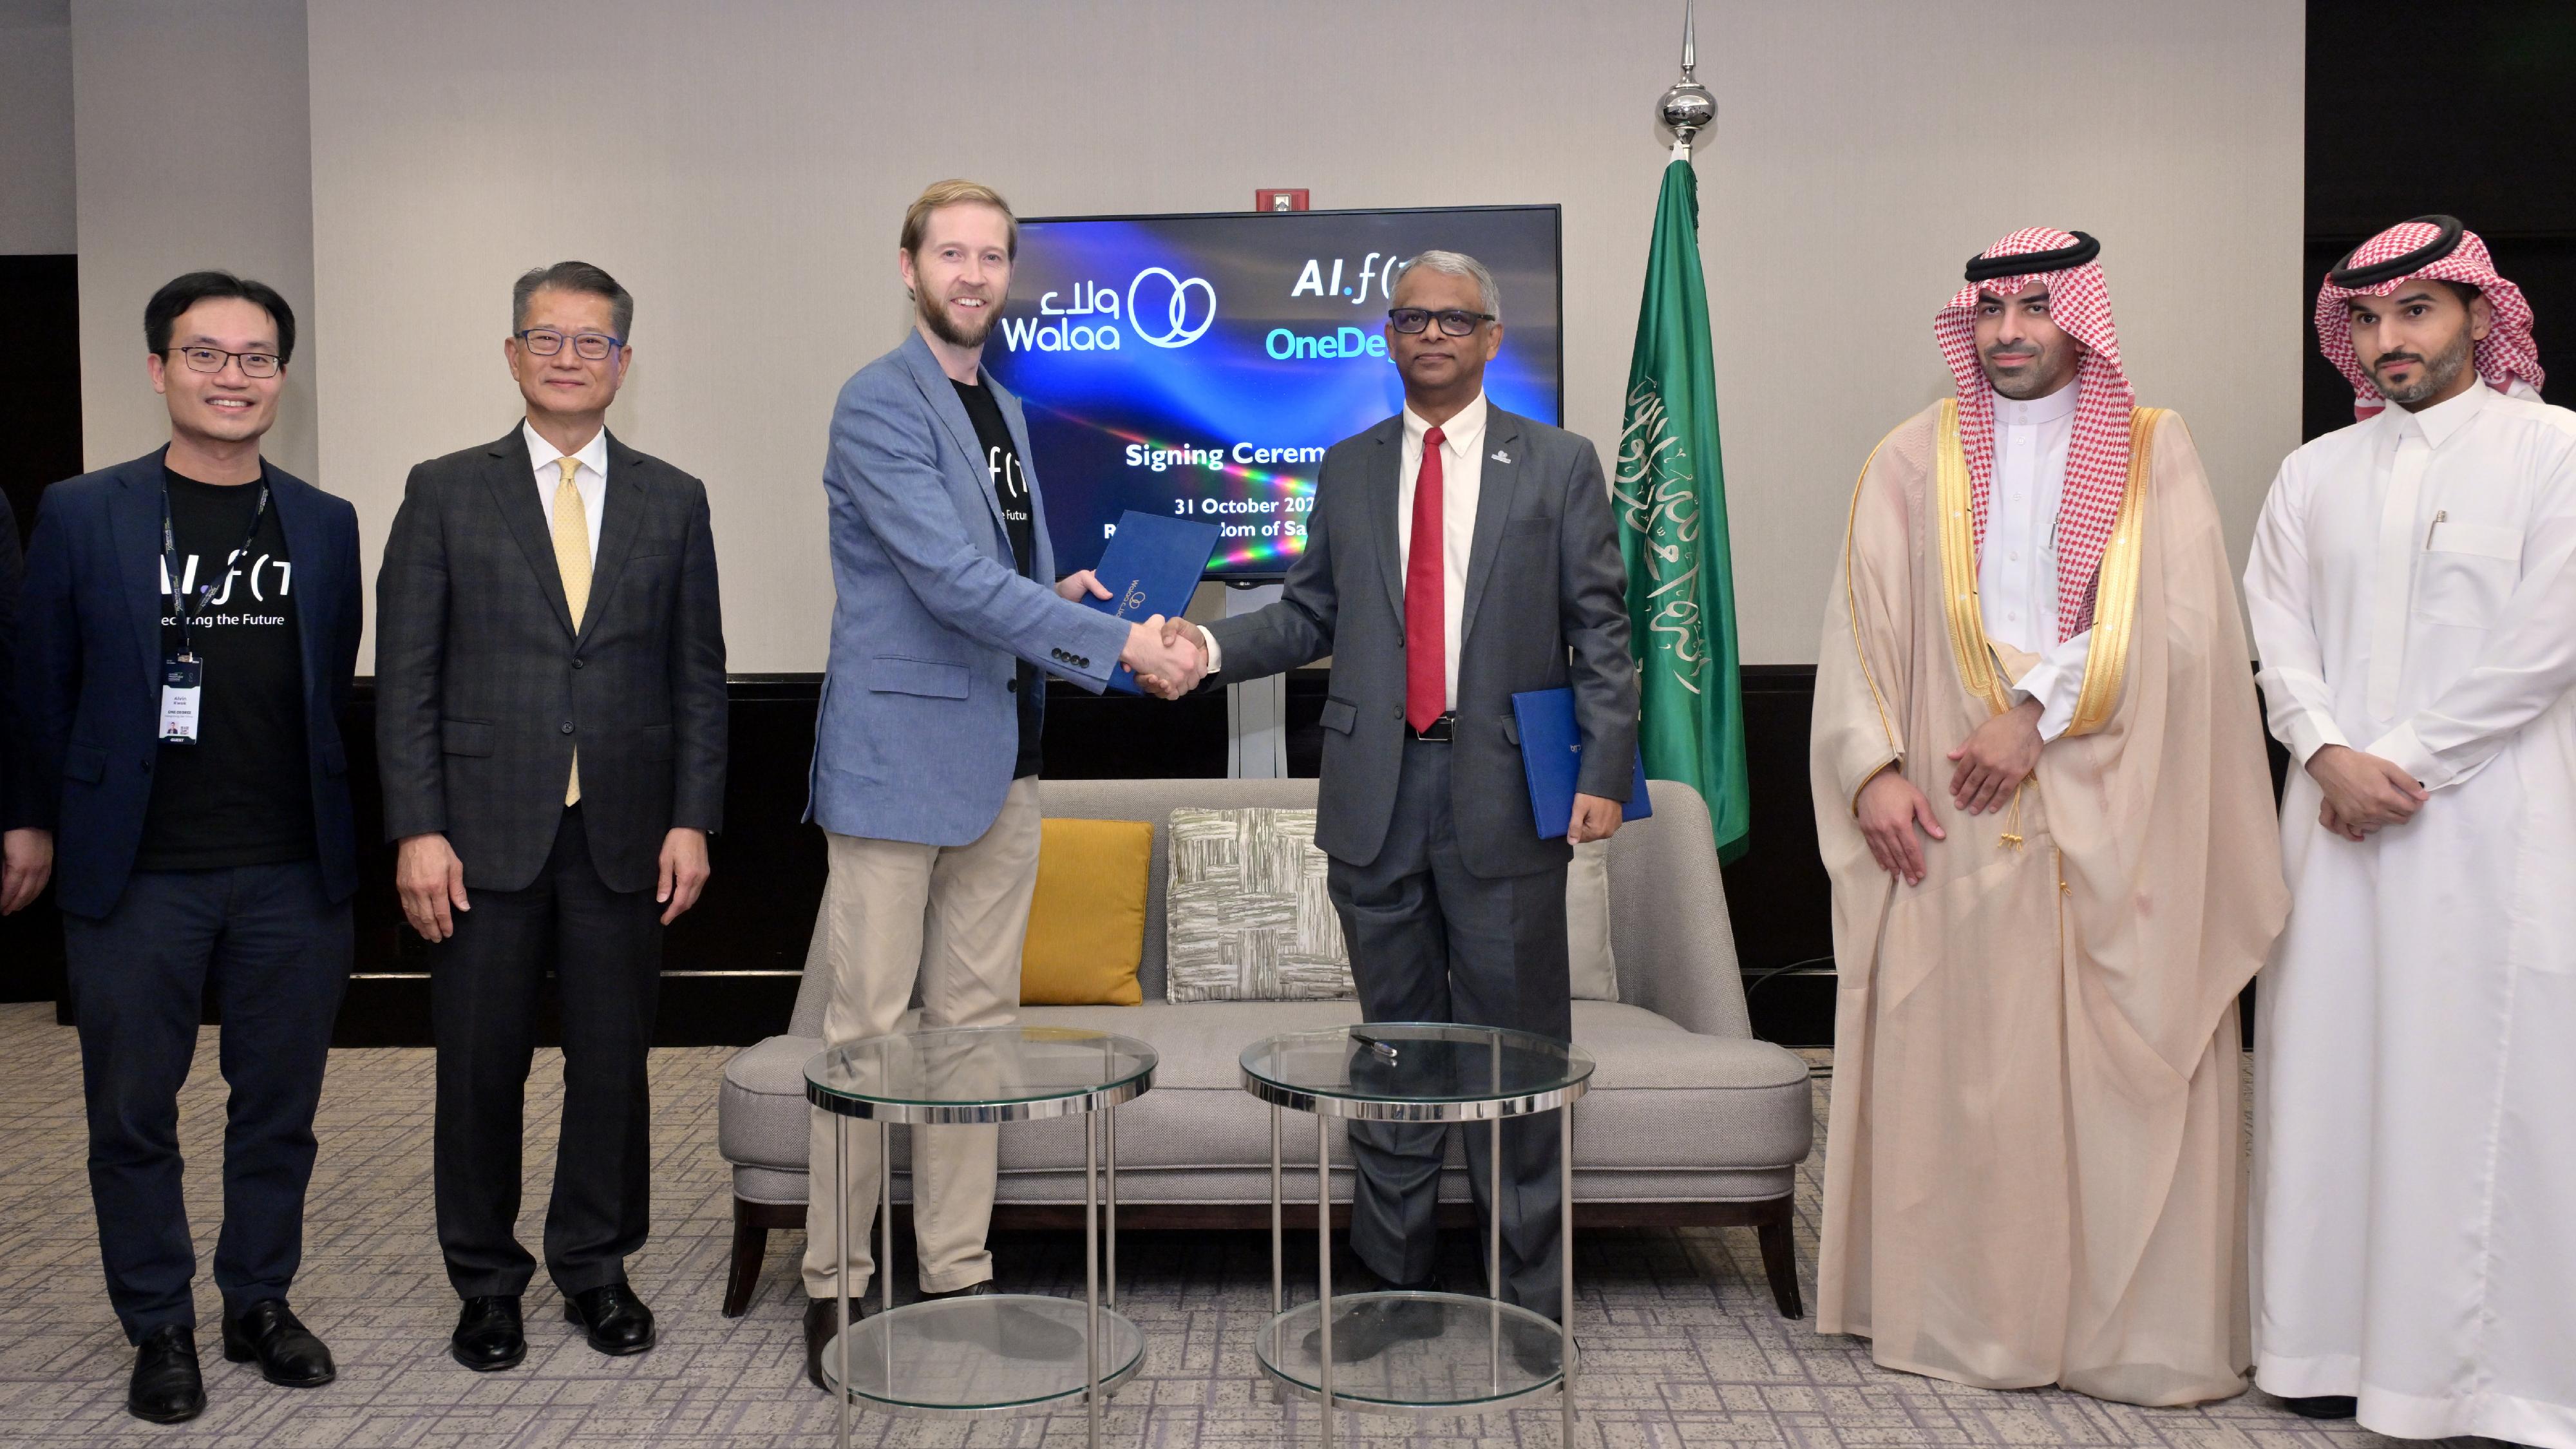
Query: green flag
1670,494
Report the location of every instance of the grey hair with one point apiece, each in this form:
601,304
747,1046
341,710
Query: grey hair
572,277
1456,264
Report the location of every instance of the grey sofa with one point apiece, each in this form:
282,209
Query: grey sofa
1689,1121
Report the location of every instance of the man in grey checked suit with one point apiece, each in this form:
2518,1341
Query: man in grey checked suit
926,749
550,721
1457,554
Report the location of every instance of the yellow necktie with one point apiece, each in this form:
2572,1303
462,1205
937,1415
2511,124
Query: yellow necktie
572,560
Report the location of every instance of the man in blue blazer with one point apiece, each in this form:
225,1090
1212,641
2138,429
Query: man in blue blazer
187,634
926,750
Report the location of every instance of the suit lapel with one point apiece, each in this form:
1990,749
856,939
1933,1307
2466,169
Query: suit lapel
135,523
1386,495
941,394
621,516
511,476
304,549
1496,487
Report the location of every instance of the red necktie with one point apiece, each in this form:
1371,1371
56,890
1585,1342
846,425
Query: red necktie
1426,645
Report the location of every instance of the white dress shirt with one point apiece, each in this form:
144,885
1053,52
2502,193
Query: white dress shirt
589,479
1462,477
2017,572
2411,588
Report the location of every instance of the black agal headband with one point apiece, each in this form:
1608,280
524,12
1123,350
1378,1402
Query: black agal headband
2023,264
2346,274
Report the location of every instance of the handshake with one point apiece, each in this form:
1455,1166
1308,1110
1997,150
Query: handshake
1169,656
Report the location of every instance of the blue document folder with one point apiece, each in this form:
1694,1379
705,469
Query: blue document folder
1151,566
1552,754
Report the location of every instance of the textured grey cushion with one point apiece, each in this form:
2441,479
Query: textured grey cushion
1248,917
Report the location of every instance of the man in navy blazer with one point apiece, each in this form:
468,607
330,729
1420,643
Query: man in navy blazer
187,633
926,751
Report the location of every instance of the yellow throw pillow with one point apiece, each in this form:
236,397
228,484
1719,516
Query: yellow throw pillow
1087,923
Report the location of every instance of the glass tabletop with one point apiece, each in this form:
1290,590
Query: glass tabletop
982,1355
980,1074
1423,1352
1416,1072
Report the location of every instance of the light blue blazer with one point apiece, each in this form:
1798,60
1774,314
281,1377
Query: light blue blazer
919,725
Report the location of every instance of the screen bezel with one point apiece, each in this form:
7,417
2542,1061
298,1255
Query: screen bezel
1556,215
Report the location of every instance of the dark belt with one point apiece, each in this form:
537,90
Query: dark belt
1440,733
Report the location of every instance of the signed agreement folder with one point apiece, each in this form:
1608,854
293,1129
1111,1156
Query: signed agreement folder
1552,754
1151,566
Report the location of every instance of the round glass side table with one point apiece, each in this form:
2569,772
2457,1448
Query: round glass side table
1001,1353
1453,1353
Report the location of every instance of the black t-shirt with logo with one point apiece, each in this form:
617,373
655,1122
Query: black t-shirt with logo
1019,520
241,794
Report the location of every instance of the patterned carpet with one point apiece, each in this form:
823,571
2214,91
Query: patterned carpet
1683,1350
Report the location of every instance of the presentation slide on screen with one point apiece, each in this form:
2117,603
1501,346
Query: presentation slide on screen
1199,366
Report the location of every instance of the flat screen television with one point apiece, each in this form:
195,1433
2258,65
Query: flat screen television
1199,365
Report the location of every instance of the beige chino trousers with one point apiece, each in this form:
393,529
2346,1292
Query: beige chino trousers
953,918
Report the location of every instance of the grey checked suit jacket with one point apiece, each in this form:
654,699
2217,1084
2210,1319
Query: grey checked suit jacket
1546,607
484,683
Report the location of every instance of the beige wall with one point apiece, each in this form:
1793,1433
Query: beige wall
35,127
192,151
743,167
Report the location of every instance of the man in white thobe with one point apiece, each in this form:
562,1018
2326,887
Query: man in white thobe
2411,596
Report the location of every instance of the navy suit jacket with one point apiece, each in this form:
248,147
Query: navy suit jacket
89,670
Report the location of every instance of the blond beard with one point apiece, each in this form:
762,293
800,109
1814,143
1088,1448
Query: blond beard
944,325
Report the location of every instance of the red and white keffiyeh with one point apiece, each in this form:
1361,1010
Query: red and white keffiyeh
2507,356
2097,457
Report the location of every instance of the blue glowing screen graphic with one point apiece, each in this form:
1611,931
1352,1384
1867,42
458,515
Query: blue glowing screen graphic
1198,366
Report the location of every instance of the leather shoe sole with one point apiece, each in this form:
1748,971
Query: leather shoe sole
2324,1406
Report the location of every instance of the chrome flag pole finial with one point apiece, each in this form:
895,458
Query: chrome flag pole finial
1688,107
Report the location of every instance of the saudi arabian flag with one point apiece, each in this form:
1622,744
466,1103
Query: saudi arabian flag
1670,495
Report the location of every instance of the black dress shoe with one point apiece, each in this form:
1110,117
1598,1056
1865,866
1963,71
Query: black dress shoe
167,1387
821,1323
287,1351
2324,1406
1537,1351
1363,1332
489,1335
616,1320
971,1290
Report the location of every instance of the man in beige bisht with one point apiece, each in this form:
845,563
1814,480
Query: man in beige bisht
2033,654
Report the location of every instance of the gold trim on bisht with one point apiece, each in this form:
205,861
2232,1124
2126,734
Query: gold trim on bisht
1950,497
2115,588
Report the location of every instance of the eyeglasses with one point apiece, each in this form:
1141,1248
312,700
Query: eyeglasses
588,346
1409,320
212,359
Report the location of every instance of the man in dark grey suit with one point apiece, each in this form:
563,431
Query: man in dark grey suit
1456,555
550,719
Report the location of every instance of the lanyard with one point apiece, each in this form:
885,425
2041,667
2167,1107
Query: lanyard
170,563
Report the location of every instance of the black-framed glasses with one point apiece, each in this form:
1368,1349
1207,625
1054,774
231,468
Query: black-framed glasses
1456,322
212,359
588,346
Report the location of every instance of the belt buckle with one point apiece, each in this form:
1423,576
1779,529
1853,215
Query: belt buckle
1441,731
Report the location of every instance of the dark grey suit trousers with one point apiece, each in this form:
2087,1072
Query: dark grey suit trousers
1431,942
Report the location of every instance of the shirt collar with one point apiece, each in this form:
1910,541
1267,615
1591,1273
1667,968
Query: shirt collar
2442,421
2013,413
542,455
1458,435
